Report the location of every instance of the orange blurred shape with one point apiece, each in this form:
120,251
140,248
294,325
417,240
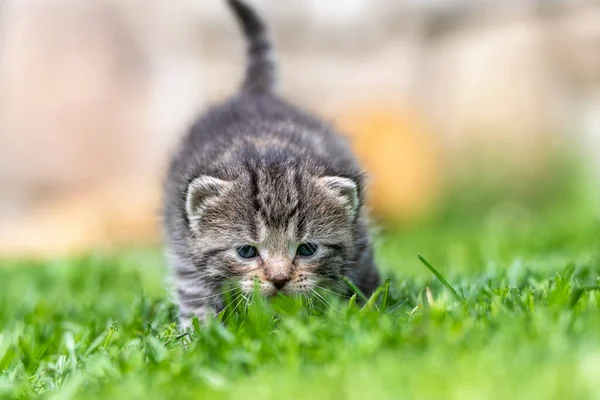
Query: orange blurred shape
107,216
399,154
401,158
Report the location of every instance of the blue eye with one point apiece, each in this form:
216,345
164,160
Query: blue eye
306,249
247,251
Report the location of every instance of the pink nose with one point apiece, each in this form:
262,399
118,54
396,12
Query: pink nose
278,271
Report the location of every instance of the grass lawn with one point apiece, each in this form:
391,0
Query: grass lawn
525,324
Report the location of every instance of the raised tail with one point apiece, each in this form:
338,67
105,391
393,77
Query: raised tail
261,73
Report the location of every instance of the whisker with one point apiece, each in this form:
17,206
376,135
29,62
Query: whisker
321,298
246,304
308,302
333,292
311,306
228,305
211,296
235,308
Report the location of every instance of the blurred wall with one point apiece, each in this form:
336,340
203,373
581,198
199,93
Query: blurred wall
94,94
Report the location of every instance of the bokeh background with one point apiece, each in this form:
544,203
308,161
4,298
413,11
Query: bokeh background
452,105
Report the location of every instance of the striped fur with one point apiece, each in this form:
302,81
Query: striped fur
259,171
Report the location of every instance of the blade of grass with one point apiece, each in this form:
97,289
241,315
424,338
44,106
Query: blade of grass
113,328
352,308
440,277
355,289
352,301
386,293
576,294
371,302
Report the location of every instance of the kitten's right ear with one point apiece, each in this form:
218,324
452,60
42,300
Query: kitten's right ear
201,192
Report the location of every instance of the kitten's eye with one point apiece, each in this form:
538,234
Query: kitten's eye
306,249
247,251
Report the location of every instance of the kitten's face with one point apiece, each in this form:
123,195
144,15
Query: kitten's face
278,229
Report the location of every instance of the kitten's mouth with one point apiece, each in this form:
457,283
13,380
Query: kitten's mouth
284,291
268,288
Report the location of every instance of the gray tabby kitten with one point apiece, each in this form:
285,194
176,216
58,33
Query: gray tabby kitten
260,190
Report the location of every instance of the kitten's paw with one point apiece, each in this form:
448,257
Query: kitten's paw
186,317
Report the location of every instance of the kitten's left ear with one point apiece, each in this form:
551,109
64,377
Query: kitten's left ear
345,190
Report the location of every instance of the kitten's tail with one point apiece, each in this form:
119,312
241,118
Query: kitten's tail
261,73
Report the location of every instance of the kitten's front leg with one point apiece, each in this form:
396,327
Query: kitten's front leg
196,301
366,276
195,296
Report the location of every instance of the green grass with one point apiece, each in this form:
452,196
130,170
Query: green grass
524,323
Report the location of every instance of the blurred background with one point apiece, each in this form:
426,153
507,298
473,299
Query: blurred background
452,105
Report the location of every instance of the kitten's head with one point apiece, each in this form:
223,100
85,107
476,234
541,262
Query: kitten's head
286,229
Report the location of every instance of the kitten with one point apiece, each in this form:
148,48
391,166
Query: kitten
261,191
